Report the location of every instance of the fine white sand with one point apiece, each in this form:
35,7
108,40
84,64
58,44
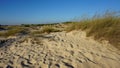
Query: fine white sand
59,50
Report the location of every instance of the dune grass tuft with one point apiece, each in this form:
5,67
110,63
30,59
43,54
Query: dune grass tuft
12,31
45,29
48,29
105,27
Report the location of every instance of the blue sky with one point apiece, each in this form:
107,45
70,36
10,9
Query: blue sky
47,11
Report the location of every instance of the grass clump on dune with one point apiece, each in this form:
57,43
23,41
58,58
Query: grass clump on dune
71,26
45,29
13,30
48,29
105,27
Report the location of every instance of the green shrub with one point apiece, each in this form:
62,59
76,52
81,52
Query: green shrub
26,25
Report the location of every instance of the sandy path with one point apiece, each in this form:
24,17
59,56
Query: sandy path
60,50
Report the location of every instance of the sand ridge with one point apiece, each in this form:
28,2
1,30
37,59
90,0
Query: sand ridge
59,50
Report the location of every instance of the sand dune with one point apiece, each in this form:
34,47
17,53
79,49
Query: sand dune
59,50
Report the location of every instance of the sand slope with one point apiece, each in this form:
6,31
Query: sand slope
59,50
